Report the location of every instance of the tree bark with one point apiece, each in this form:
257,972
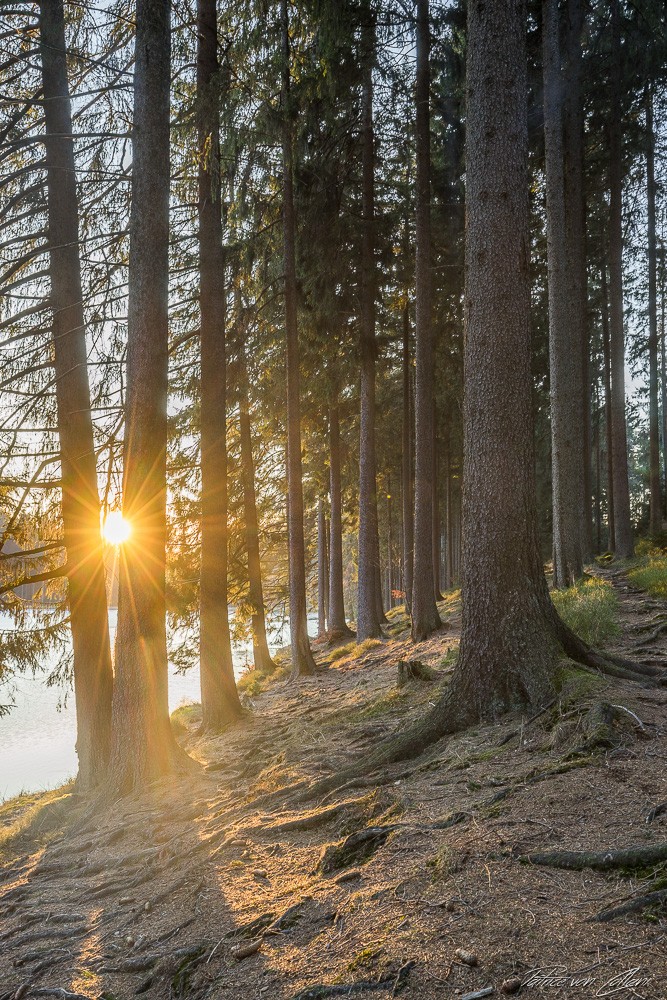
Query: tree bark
564,331
219,696
93,677
302,658
606,350
369,594
260,647
511,638
322,569
435,512
655,517
338,627
407,492
575,235
424,612
623,535
143,746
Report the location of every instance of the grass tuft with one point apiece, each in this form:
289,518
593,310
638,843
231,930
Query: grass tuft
651,575
589,608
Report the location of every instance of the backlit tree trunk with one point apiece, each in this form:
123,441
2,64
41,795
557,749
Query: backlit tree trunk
322,570
623,540
219,697
654,417
93,677
338,627
369,592
606,351
564,327
143,746
407,492
575,236
424,612
302,657
260,647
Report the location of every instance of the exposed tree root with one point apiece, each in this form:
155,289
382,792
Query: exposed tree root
309,821
602,861
354,849
633,906
395,982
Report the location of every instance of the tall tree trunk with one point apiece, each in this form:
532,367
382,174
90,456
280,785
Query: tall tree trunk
219,696
143,747
564,345
663,378
655,519
606,350
369,593
390,548
321,570
575,235
338,627
93,678
407,493
511,638
623,540
260,647
302,657
425,618
435,511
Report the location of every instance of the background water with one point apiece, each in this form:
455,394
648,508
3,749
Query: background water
37,738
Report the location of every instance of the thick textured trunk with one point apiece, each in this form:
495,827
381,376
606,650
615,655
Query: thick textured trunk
407,492
606,350
143,746
655,520
219,697
369,591
564,333
93,678
260,647
322,570
623,540
302,657
575,235
424,613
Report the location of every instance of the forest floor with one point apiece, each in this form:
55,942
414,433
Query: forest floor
219,886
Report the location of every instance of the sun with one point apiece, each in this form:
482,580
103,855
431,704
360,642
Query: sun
116,529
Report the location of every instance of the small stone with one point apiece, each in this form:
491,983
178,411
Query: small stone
510,986
260,873
148,907
129,941
450,906
466,957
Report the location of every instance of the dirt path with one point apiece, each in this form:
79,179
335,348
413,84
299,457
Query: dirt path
215,888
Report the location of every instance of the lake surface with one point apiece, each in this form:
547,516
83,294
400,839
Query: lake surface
37,738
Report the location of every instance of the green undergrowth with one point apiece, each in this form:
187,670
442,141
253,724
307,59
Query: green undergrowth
33,818
589,608
184,718
252,682
353,649
649,573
